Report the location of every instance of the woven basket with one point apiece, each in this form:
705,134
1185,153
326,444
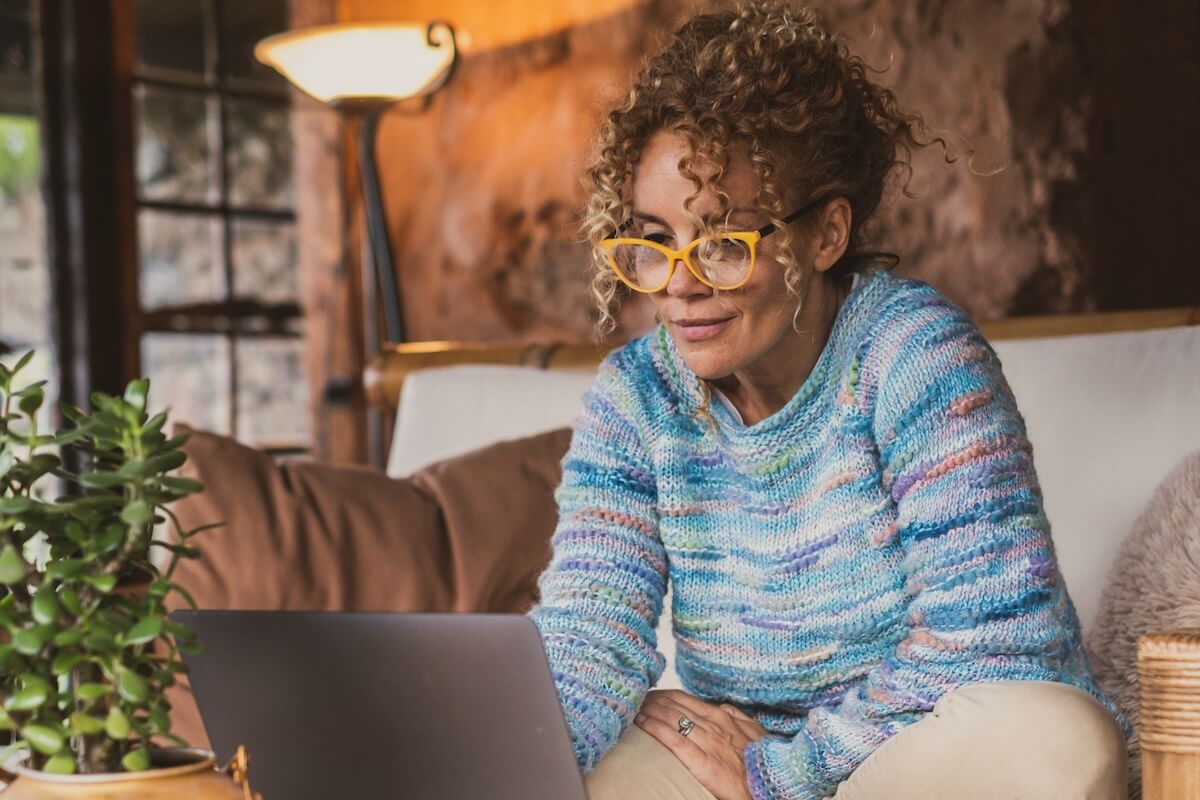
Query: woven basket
1169,678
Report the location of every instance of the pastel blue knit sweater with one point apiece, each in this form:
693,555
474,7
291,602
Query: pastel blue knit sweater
836,567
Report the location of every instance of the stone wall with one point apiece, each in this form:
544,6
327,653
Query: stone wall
483,188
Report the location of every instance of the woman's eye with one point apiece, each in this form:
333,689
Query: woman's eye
657,238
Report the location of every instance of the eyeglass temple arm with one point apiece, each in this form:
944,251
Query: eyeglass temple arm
771,227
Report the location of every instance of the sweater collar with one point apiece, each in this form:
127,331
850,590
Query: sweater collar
696,400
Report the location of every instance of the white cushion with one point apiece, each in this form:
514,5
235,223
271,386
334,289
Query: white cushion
448,411
1109,416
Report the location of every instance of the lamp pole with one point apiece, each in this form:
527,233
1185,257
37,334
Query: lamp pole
377,234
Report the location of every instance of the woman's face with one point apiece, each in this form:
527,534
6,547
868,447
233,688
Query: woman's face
718,334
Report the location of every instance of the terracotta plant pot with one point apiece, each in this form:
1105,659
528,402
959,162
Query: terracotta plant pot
177,772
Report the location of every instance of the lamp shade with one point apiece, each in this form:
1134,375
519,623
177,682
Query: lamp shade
362,62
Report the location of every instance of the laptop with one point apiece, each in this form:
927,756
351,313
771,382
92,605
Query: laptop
414,706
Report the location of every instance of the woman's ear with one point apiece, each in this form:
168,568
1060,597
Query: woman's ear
832,234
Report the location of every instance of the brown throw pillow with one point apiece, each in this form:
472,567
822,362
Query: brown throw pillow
1154,584
468,534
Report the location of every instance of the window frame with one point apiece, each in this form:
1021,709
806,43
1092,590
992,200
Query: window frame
234,318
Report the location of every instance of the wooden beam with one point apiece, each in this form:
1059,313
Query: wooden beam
82,46
1084,324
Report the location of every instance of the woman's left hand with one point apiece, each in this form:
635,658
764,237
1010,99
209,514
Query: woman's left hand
713,750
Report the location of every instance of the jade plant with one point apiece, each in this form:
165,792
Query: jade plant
86,647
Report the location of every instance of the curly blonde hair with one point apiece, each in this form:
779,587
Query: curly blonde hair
773,81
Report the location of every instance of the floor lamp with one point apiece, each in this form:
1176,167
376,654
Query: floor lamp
362,70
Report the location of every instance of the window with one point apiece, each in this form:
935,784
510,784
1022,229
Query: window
25,294
219,323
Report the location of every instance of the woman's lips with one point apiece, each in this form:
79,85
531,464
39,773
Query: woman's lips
699,330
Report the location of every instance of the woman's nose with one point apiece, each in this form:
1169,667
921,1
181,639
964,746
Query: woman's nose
684,284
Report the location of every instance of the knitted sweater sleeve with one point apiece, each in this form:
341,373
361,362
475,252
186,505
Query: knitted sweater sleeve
973,542
602,593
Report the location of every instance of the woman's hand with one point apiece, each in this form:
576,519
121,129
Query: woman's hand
713,750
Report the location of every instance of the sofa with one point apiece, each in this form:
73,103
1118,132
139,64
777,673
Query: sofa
462,519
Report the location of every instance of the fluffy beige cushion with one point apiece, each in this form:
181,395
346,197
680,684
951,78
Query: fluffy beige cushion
1154,585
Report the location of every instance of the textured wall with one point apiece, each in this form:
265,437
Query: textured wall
1070,98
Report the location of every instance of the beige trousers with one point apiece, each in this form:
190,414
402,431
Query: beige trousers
1016,740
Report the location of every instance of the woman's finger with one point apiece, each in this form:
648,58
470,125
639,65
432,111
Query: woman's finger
693,705
658,722
734,711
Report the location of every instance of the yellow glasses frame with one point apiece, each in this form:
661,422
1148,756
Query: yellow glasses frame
749,238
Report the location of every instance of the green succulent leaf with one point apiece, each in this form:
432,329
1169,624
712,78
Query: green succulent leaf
159,719
102,583
45,606
22,362
70,601
29,641
135,393
12,566
65,662
136,760
69,637
100,639
167,461
110,539
177,484
90,692
147,630
136,468
16,505
102,480
60,764
86,723
131,686
44,739
70,437
65,568
116,724
6,723
32,400
154,425
137,513
27,699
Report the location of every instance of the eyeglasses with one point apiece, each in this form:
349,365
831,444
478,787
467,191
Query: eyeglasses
722,261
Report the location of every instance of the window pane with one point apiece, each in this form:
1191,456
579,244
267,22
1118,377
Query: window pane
190,373
16,57
170,35
259,152
181,258
25,291
173,154
272,392
264,261
24,277
243,24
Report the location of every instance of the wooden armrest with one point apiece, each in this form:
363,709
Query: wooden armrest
1169,680
384,377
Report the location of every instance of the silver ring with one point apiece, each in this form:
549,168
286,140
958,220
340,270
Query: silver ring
685,726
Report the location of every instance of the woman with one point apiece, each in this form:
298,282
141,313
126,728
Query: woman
823,459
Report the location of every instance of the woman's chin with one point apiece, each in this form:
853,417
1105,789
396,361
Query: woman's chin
708,363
